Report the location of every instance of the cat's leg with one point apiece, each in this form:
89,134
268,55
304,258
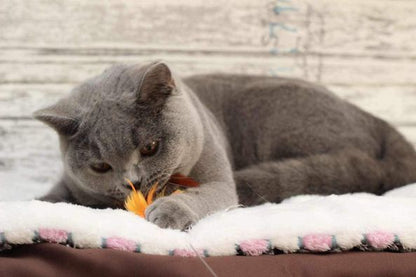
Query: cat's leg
63,192
216,192
348,170
179,211
58,193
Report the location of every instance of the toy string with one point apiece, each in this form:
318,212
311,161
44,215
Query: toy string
208,267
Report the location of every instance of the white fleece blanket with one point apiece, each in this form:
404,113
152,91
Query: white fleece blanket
303,223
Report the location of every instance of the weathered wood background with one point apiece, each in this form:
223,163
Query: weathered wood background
365,51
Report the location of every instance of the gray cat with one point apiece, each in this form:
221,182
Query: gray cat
261,138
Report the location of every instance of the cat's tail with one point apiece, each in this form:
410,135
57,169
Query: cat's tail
398,159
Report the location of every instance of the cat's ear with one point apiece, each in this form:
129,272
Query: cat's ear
156,85
61,116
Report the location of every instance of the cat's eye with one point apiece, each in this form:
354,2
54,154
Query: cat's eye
100,167
150,149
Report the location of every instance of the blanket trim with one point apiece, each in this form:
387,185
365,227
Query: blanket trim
310,243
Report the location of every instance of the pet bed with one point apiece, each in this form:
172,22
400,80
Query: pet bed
303,224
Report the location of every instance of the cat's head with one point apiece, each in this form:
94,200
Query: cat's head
132,121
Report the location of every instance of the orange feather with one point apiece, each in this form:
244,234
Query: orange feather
137,203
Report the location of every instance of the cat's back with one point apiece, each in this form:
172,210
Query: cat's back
256,99
283,116
218,91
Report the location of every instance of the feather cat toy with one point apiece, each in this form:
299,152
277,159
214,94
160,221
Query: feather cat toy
137,203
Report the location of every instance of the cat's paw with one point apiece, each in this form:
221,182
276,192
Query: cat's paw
171,212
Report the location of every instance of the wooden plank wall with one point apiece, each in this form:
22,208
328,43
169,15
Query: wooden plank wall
365,51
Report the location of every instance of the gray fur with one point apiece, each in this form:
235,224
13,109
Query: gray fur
273,137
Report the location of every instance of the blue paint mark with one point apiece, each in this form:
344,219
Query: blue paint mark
279,9
276,71
276,27
271,31
273,26
276,51
284,27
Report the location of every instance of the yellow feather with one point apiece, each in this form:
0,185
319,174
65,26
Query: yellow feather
151,194
137,203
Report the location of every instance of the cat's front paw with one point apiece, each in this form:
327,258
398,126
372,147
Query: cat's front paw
171,212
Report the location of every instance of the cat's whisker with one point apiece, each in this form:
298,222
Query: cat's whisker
162,184
158,178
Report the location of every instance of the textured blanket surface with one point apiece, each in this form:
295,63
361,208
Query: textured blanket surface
300,224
